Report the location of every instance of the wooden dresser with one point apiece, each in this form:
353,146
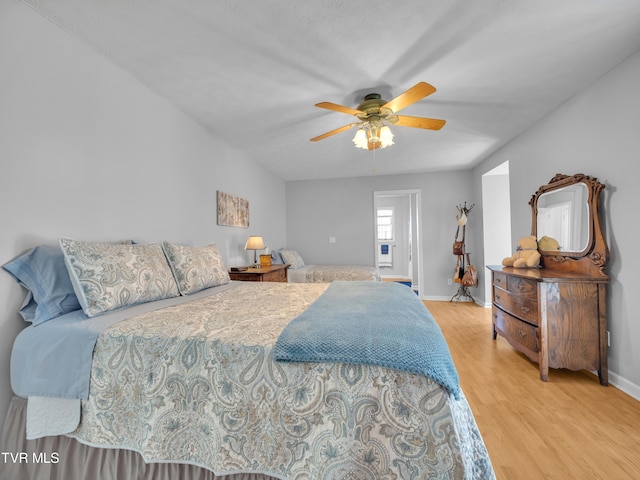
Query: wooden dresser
556,319
557,314
271,273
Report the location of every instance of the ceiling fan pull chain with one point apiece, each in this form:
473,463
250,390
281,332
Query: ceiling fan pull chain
373,161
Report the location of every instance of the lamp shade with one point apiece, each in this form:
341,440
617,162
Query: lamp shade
360,140
386,137
254,243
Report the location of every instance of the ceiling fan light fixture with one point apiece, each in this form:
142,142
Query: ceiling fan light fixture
386,137
374,131
360,140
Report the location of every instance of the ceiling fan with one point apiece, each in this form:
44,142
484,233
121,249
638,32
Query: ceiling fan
375,113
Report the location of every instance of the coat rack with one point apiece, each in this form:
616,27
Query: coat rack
465,273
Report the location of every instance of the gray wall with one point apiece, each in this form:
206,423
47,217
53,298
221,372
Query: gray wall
595,133
343,208
87,152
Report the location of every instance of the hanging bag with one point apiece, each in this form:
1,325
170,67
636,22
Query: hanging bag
458,245
470,277
458,272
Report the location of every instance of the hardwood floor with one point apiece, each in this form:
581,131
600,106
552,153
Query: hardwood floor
570,427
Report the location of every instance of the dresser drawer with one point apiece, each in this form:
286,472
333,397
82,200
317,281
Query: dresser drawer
275,276
267,273
520,334
500,280
523,286
523,305
245,277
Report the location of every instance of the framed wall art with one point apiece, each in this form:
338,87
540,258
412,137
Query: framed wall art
232,211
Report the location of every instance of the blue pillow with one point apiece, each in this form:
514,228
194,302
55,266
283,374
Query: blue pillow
43,273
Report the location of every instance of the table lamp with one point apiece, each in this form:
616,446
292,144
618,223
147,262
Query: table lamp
254,243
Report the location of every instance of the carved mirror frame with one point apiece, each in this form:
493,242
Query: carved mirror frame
593,259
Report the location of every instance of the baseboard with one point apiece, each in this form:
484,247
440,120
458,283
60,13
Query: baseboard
431,298
623,384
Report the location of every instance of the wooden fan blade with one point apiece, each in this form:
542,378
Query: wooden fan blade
415,93
420,122
333,132
338,108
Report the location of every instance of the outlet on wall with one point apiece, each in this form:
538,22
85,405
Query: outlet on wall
449,281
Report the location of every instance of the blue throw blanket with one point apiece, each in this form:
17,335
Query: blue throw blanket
374,323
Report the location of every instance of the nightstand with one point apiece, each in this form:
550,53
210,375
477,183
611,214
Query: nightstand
272,273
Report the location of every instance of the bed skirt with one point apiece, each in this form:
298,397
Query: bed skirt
64,458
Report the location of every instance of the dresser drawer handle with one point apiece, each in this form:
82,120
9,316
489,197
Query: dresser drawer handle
497,296
526,309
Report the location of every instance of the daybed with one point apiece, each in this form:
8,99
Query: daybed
168,361
299,272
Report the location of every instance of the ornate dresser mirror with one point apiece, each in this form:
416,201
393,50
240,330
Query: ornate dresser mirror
567,212
557,314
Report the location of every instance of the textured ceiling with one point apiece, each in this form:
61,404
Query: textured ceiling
251,71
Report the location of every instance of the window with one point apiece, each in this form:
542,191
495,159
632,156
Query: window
385,224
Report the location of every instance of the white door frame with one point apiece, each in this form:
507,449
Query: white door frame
415,196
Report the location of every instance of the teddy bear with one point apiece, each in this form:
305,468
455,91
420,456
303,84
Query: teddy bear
548,244
526,256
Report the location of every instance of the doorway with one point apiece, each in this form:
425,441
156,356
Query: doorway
397,236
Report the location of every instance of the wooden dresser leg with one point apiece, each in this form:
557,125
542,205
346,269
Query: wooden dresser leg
543,362
544,374
493,326
603,375
603,371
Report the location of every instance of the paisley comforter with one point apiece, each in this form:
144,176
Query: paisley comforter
196,383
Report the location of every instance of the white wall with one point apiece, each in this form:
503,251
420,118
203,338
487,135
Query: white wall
87,152
595,133
343,208
496,225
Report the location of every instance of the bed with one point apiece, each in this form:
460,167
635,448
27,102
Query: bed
227,379
299,272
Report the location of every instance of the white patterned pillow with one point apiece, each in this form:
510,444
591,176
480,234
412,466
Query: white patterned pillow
292,257
108,276
196,268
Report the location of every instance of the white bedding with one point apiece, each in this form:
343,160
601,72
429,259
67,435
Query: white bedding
48,416
329,273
